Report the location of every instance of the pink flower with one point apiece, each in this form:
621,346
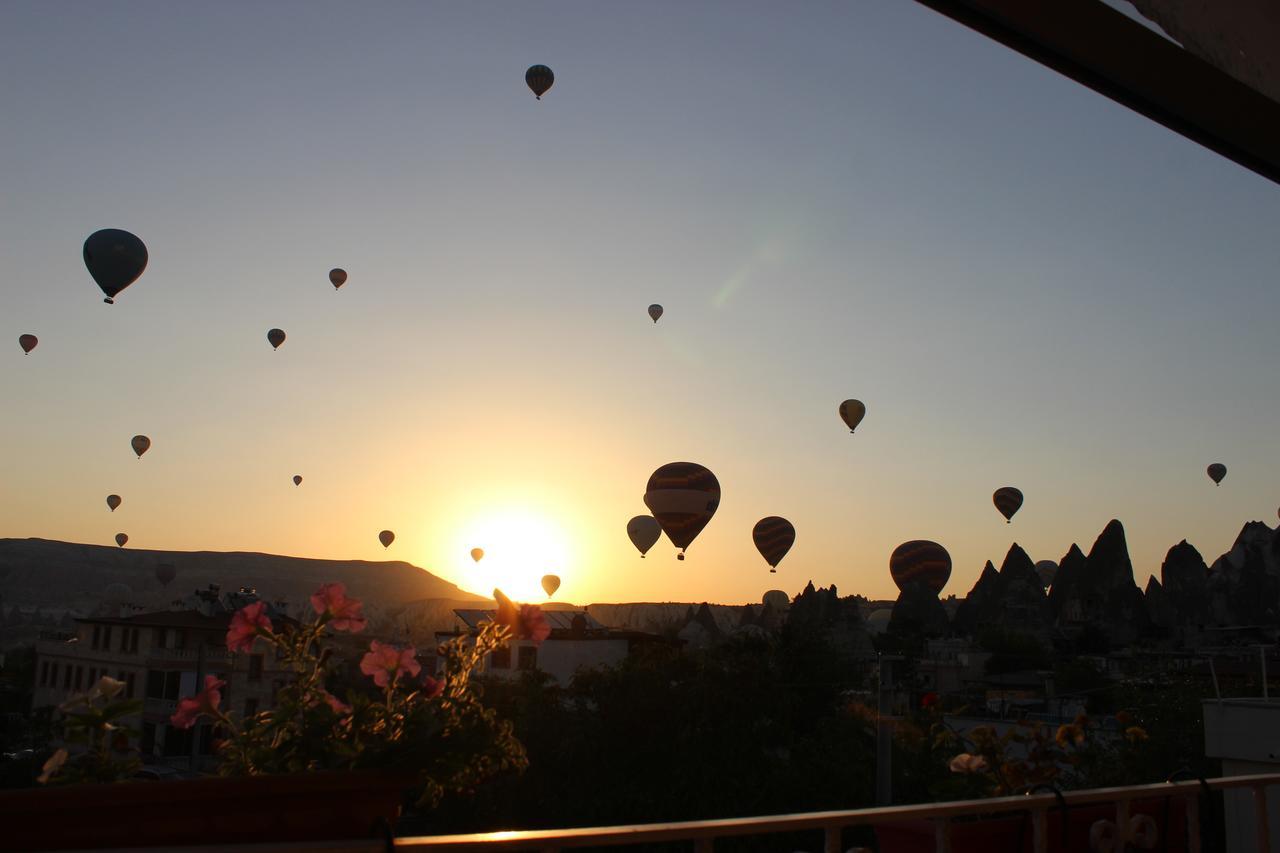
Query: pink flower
386,663
966,763
432,687
339,707
206,701
345,614
526,621
246,624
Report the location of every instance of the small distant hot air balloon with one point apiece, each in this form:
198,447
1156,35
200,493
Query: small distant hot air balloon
122,538
643,530
1046,570
477,554
1007,499
852,412
539,78
920,561
115,259
774,537
550,583
113,501
165,573
683,496
655,311
337,277
297,479
386,537
28,343
276,337
1217,471
776,599
141,444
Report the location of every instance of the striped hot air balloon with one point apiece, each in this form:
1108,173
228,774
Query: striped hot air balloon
682,496
1007,499
920,561
774,537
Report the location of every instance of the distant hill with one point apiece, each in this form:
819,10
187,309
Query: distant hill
68,576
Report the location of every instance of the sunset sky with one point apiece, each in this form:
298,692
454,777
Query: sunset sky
1026,283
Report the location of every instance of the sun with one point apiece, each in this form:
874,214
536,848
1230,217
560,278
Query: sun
520,546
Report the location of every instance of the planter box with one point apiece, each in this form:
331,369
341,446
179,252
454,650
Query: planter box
218,810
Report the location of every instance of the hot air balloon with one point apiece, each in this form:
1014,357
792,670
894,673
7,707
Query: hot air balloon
141,444
477,554
1046,570
539,78
1217,471
682,496
276,337
550,583
122,538
28,342
774,537
852,412
297,479
113,501
386,537
644,530
776,599
165,573
337,277
1007,499
920,561
655,311
115,259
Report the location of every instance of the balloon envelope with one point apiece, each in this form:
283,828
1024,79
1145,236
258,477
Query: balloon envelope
166,572
113,501
539,78
683,496
550,583
1008,500
297,479
276,337
477,554
852,412
122,538
28,342
1046,570
774,537
920,561
386,537
777,599
644,530
140,444
115,259
1217,471
655,311
337,277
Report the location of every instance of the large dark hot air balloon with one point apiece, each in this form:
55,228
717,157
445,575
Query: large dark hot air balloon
140,444
28,343
115,259
682,496
643,530
1216,472
297,479
1007,499
777,599
920,561
122,538
774,537
113,501
550,583
165,573
655,311
852,412
539,78
1046,570
276,337
337,277
386,537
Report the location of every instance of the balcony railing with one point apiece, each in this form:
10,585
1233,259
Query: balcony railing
1115,834
211,654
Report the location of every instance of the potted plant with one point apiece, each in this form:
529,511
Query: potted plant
314,766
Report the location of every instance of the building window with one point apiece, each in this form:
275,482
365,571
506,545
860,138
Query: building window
255,667
106,637
172,685
250,708
79,676
528,658
501,658
177,741
155,684
92,671
128,680
162,638
133,640
96,629
66,678
148,745
44,673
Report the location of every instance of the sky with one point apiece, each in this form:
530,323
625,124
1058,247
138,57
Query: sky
1026,283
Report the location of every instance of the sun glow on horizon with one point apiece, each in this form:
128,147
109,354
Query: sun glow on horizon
520,546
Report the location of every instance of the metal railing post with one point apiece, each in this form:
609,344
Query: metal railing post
1261,818
1040,830
942,835
831,839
